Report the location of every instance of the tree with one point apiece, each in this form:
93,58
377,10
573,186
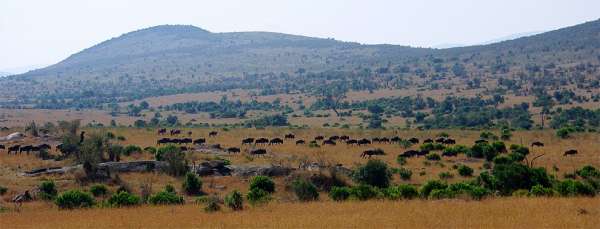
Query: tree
332,95
374,173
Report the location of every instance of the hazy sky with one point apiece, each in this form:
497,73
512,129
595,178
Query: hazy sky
45,32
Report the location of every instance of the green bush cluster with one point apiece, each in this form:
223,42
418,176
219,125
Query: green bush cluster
74,199
123,199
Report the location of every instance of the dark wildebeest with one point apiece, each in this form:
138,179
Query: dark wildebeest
410,153
248,141
384,140
481,141
233,150
413,140
449,141
258,151
364,141
440,140
2,147
199,141
344,137
352,142
300,142
422,153
27,149
183,148
375,140
175,132
276,141
334,138
186,141
189,133
429,140
44,146
372,152
14,148
289,136
261,141
213,134
319,138
570,152
329,142
162,131
449,154
216,146
396,139
538,144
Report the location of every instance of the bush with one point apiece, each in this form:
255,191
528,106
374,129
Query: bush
364,192
441,194
433,157
564,132
165,197
405,174
304,190
445,175
234,200
403,191
130,149
150,150
212,205
432,146
121,199
170,188
431,185
98,190
478,193
339,193
465,171
257,196
374,173
539,190
3,190
192,185
47,190
177,165
74,199
263,183
574,188
588,171
401,160
514,176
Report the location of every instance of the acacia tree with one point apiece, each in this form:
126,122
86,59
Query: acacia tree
332,95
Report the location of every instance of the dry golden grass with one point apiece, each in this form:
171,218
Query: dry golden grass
494,213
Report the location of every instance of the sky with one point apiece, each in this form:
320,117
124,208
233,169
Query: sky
36,33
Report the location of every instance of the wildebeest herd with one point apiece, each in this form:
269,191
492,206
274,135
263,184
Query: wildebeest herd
25,148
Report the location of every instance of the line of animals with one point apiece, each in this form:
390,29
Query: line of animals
332,141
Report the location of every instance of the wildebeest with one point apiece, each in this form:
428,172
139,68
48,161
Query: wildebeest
449,141
413,140
334,138
27,149
183,148
14,148
233,150
440,140
199,141
319,138
276,141
289,136
344,137
422,152
429,140
2,147
44,146
409,153
162,131
329,142
300,142
372,152
364,141
352,142
261,141
258,151
395,139
384,140
570,152
247,141
164,141
449,154
375,139
189,133
175,132
216,146
537,143
186,141
213,134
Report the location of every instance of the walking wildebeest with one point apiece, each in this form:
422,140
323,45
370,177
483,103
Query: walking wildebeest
175,132
422,152
329,142
352,142
570,152
199,141
189,133
233,150
429,140
2,147
396,139
162,131
300,142
344,137
409,153
364,141
449,141
44,146
289,136
537,143
413,140
216,146
372,152
258,151
14,148
440,140
276,141
247,141
261,141
213,134
334,138
319,138
449,154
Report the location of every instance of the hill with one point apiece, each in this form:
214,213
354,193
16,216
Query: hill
173,59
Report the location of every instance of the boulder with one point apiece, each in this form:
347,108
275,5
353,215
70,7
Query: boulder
266,170
213,167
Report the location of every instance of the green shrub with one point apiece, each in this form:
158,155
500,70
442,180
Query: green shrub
74,199
304,190
455,150
170,188
364,192
405,174
433,157
478,193
520,193
374,173
403,191
130,149
445,175
539,190
47,190
98,190
258,196
339,193
234,200
192,185
401,160
263,183
510,177
212,205
441,194
122,199
432,146
574,188
165,197
465,171
177,165
150,150
431,185
564,132
588,171
3,190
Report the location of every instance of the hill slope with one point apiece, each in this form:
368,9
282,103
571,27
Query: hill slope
173,59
